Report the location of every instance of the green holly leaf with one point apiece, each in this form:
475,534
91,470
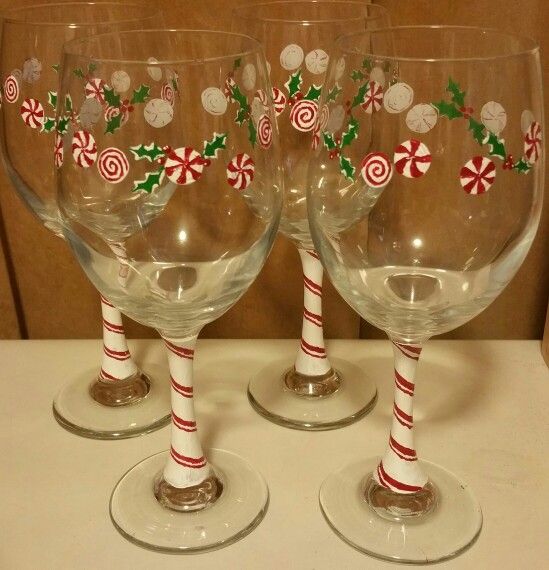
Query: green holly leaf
458,96
150,152
329,141
55,67
367,64
63,125
151,182
293,85
91,68
252,133
79,73
212,147
522,166
359,98
237,63
52,98
111,96
68,103
478,130
334,93
314,93
240,98
496,146
357,75
48,125
350,134
241,116
446,109
114,124
141,94
347,169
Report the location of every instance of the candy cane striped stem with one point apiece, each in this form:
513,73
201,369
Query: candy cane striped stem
312,359
399,470
117,363
119,250
186,464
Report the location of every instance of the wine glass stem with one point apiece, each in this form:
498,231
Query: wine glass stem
312,359
399,470
119,250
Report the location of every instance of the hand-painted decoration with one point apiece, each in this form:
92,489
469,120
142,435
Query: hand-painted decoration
291,57
376,170
184,165
120,81
113,165
214,101
32,113
477,175
412,158
317,61
58,151
532,143
32,70
11,89
398,97
84,149
167,93
90,114
373,98
265,132
279,101
94,89
158,113
154,71
493,116
240,171
421,118
249,76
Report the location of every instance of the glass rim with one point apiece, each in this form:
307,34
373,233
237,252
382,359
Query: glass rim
256,47
524,51
10,19
242,11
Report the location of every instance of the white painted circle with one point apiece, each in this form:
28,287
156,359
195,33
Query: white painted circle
32,69
120,81
493,116
214,101
336,119
249,76
155,73
317,61
526,119
90,113
291,57
158,113
378,75
421,118
398,98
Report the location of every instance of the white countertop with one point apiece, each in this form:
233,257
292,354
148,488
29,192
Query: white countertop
481,412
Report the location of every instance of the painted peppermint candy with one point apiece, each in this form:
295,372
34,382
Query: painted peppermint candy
412,158
84,149
373,98
94,89
421,118
249,76
477,175
228,88
111,112
279,101
32,113
317,61
398,98
158,113
32,69
58,151
240,171
167,93
303,115
214,101
11,89
113,165
184,165
378,75
261,96
532,142
291,57
265,132
376,169
120,81
493,117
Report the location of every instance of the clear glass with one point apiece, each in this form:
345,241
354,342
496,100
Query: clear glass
316,393
121,401
180,180
423,205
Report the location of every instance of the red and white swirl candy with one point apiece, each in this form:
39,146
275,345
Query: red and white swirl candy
412,158
532,142
32,113
84,149
94,89
111,112
265,131
240,171
477,175
261,96
184,165
168,93
303,115
373,99
377,170
58,151
113,165
279,101
228,88
11,89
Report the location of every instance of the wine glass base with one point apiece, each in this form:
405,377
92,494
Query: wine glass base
76,411
452,526
272,399
139,517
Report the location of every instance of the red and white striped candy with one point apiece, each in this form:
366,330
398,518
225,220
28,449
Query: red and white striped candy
376,169
230,84
373,99
32,113
94,89
11,89
111,112
477,175
240,171
184,165
532,142
168,93
303,115
261,96
113,165
84,149
279,101
58,151
412,158
265,131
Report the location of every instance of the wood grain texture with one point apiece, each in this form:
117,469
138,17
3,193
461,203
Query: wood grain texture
9,324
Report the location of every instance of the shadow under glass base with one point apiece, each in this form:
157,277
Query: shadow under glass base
76,410
139,517
271,398
450,527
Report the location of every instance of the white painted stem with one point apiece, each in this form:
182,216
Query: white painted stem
312,359
117,363
399,470
186,465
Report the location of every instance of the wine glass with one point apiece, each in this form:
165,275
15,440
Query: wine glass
122,400
423,206
316,393
194,196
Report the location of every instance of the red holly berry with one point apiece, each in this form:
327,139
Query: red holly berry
467,111
207,162
509,163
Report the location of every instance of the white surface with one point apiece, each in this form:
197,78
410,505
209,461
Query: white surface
481,412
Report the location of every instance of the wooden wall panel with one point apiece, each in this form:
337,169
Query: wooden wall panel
9,324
